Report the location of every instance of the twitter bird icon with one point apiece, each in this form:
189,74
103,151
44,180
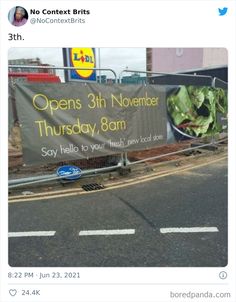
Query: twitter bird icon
222,11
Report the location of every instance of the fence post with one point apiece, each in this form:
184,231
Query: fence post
126,160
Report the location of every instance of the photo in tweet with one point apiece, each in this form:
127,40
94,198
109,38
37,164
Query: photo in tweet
118,157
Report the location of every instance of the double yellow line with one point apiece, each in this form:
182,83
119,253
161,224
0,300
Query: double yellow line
113,185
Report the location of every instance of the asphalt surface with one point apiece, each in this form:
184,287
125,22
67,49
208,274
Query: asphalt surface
196,198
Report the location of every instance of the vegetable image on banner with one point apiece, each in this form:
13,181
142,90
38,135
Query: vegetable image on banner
198,111
65,121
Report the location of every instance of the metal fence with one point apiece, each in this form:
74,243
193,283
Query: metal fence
94,166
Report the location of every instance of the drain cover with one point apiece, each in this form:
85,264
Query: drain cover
93,187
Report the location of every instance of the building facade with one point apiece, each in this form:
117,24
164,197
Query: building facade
30,62
171,60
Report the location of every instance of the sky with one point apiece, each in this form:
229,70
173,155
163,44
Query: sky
117,59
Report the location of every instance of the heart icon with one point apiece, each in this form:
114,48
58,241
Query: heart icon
12,292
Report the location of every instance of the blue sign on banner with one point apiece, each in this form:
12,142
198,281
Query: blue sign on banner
69,170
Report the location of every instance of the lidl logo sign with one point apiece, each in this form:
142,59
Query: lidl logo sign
81,58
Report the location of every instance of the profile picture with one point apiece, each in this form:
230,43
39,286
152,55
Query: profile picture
18,16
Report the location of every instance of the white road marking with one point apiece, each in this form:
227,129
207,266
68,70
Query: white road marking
31,234
107,232
114,232
189,230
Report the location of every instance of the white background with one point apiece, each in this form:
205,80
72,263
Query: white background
125,24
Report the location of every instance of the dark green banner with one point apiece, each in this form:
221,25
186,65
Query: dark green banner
64,121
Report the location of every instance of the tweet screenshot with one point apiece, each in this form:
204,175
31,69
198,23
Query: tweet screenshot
118,151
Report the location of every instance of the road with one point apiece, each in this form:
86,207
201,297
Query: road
177,220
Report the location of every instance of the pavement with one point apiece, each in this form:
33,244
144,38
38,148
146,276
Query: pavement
177,220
